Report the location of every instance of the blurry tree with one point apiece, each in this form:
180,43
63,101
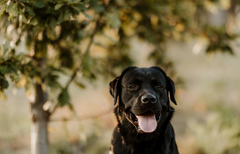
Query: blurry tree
83,39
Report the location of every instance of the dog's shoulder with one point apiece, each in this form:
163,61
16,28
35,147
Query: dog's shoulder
168,142
118,143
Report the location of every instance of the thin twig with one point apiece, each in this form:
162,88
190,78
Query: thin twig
85,117
79,63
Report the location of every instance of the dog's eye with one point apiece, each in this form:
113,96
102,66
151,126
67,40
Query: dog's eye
133,87
158,87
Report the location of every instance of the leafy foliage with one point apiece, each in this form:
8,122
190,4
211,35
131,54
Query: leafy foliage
61,37
82,39
52,31
219,39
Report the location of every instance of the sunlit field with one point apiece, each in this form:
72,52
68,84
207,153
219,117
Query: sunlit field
206,119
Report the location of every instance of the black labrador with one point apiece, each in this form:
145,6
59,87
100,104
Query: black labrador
143,112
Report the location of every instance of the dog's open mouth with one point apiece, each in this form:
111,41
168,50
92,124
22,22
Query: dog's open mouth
146,122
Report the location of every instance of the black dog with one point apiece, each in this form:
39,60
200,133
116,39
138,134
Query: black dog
143,112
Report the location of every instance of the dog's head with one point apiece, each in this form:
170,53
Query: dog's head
141,96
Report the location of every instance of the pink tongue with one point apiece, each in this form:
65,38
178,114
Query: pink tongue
147,123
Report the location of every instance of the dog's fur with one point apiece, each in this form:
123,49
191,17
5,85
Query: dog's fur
129,91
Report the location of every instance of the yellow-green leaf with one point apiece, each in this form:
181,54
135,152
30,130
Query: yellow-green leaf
2,9
58,6
13,9
64,98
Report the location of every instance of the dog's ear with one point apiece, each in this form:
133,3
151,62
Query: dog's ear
170,85
115,86
113,89
171,89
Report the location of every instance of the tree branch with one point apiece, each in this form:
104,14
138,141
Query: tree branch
79,63
85,117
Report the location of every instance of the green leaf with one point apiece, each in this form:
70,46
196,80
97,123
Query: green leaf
52,80
63,98
30,10
87,16
79,8
80,85
60,18
87,62
13,9
5,69
67,15
70,106
29,41
76,2
58,6
4,84
52,22
51,34
66,57
2,9
15,78
64,16
227,49
14,68
24,19
113,20
39,4
34,21
40,49
96,6
2,77
211,48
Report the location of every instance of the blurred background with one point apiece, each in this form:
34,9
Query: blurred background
195,42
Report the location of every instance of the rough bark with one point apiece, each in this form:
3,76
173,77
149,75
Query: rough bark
40,118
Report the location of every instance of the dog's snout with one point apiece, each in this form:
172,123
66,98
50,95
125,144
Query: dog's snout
149,98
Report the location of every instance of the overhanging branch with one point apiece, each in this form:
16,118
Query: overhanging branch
79,63
85,117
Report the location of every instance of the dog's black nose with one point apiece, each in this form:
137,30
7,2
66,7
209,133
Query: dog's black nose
149,98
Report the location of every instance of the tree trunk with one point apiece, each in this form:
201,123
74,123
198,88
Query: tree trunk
40,118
